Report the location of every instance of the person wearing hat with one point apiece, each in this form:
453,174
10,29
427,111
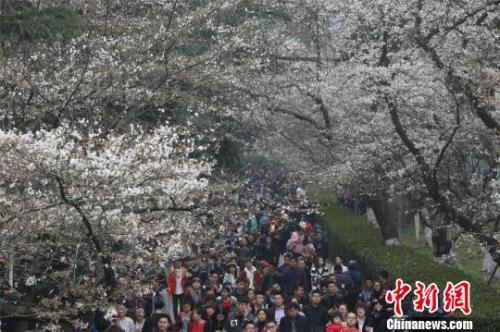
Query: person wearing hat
293,322
236,318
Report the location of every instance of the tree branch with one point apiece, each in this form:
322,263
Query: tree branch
109,275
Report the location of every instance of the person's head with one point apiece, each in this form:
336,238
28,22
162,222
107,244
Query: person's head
159,305
232,269
140,314
251,295
383,276
186,307
242,284
343,309
292,310
270,326
319,262
243,242
242,305
299,291
278,299
351,319
377,286
368,284
269,240
337,268
315,297
178,264
301,262
337,317
338,260
210,290
250,239
121,310
214,277
196,284
286,259
249,327
352,265
220,317
261,315
226,292
259,299
332,278
331,288
210,310
164,323
361,311
249,264
196,315
276,287
137,293
293,262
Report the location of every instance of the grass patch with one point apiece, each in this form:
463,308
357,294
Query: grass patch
353,237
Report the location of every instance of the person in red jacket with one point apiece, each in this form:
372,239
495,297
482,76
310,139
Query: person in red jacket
252,276
335,324
176,286
351,322
197,323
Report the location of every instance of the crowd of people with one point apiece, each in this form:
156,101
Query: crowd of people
274,274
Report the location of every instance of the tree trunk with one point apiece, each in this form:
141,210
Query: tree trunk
441,243
385,219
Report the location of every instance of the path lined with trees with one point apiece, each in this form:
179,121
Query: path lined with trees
124,127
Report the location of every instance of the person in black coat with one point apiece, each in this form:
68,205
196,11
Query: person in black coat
151,322
210,317
269,252
316,313
293,276
293,321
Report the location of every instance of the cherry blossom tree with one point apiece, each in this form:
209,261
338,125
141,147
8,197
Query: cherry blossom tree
134,63
82,208
382,97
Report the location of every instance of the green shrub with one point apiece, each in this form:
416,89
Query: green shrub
352,236
32,25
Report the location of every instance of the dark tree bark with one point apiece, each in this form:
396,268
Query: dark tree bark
440,241
385,216
428,175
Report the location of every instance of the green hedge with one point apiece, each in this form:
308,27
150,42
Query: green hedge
32,25
353,237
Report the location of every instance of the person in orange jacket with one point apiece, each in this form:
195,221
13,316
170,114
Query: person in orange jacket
197,323
176,286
